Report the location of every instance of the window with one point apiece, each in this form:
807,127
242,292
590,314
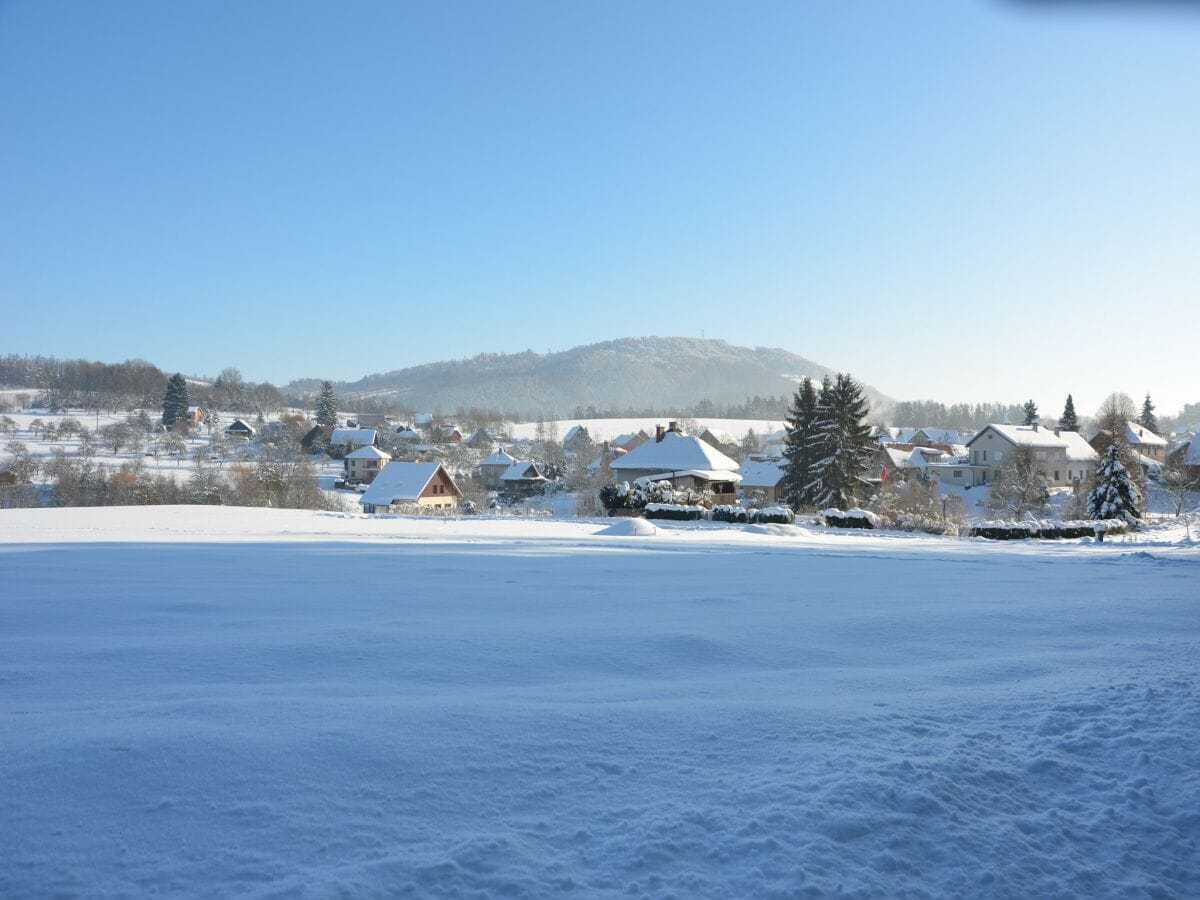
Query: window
958,473
1056,478
999,455
1040,455
985,453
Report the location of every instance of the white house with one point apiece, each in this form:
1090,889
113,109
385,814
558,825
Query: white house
492,469
1060,456
364,464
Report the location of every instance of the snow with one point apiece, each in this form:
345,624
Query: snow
213,701
761,472
498,458
369,452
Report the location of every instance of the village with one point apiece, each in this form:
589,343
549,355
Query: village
911,477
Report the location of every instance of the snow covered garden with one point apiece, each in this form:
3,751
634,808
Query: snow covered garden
211,701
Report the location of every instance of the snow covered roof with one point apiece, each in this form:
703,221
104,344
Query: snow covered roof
937,435
574,433
1136,435
499,458
407,434
239,426
1023,435
759,472
1078,449
522,470
399,482
369,452
1192,457
354,437
675,452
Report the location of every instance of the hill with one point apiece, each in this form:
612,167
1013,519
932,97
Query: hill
629,373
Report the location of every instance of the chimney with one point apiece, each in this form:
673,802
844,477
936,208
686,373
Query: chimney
1056,434
673,426
659,433
1035,425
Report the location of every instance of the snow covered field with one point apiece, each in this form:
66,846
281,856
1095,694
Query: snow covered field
214,701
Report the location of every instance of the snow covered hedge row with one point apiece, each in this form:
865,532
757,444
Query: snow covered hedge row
676,511
771,515
851,518
1047,530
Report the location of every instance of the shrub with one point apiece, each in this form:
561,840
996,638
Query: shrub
675,511
773,515
850,518
1016,531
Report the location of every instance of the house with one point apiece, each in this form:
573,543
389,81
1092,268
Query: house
608,453
720,440
765,474
194,415
492,469
480,439
576,439
427,486
405,433
1191,458
423,421
684,460
903,461
316,437
774,443
522,479
926,437
629,441
450,434
1060,456
1141,440
350,439
239,430
371,420
364,464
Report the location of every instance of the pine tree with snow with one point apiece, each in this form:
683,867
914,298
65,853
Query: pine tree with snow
1068,421
1147,419
796,450
175,400
1031,413
1115,495
842,444
327,408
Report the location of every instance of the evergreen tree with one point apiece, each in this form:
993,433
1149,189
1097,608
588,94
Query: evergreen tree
1068,421
842,444
327,408
1147,419
796,449
175,401
1031,413
1115,496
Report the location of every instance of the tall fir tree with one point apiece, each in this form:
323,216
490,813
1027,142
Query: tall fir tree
1115,495
796,449
842,444
327,408
175,400
1147,419
1031,413
1068,421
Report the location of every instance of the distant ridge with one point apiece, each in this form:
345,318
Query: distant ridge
660,372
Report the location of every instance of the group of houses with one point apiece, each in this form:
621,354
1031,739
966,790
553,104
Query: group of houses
698,463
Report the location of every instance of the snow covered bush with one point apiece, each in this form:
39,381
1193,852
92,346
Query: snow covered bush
917,505
735,514
677,511
1045,530
624,495
850,518
773,515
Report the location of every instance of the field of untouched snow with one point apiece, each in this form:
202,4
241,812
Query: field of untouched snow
212,702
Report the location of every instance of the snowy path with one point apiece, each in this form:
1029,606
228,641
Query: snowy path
201,704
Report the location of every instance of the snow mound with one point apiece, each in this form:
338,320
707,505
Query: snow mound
629,528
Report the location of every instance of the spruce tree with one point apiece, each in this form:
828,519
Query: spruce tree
1031,412
1115,496
1068,421
796,449
327,406
1147,419
842,444
175,401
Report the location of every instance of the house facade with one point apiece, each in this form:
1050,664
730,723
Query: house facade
763,474
1061,457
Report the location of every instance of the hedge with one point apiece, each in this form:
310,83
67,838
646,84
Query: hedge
1047,530
675,511
850,518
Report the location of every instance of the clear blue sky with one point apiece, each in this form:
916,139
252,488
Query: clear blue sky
957,199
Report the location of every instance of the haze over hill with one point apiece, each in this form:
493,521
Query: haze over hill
627,373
